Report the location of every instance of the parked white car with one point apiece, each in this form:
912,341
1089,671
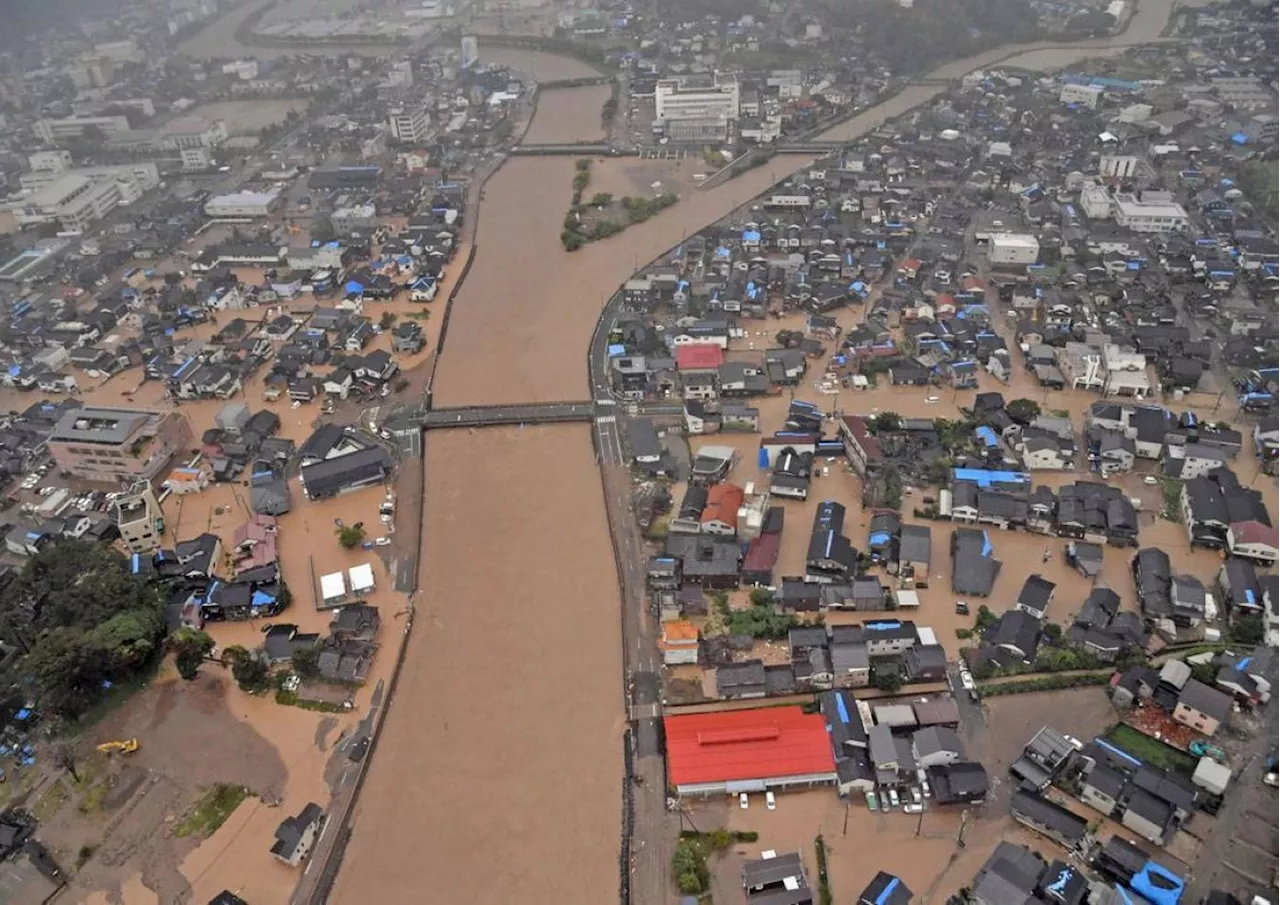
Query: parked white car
743,801
770,802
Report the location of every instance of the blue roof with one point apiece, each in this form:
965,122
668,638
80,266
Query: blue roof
985,478
1158,885
887,891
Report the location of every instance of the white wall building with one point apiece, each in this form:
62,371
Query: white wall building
1095,201
243,204
1153,212
1085,95
410,125
700,97
245,70
74,201
52,131
1118,166
49,161
191,132
1014,248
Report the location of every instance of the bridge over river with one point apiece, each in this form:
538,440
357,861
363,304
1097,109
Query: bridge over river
496,415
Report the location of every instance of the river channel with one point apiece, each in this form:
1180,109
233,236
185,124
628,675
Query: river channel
497,778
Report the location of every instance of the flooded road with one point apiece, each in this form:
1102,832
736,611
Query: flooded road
497,778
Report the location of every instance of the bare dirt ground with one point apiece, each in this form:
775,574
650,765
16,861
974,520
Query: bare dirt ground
124,808
247,117
501,752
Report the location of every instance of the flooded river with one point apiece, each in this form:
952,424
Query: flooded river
497,778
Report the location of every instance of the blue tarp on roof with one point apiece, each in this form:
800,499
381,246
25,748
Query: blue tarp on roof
985,478
617,351
841,709
879,538
1158,885
355,287
887,891
987,436
262,598
987,547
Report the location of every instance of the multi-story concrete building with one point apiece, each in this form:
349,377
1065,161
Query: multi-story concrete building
132,179
1087,95
701,101
117,445
52,131
410,125
1014,248
1151,212
74,201
190,132
140,518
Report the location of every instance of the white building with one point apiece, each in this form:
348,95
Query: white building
74,201
1125,372
1095,201
196,158
134,178
410,125
1086,95
49,161
1152,212
400,75
191,132
52,131
1117,166
245,70
703,97
1014,248
243,204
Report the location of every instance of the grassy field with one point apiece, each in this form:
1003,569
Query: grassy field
211,811
1151,750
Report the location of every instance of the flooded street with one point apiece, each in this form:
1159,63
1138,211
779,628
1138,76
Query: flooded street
497,776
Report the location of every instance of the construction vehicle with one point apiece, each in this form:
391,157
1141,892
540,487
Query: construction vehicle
128,746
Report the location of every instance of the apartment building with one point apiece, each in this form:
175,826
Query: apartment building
410,125
140,519
118,445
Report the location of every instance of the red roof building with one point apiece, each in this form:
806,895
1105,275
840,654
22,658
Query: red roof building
748,750
699,357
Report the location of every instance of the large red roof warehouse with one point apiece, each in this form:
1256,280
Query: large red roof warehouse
746,744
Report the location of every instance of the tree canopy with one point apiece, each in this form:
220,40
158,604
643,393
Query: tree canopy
81,621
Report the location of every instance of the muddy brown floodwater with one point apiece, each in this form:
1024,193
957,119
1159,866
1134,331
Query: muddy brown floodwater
497,775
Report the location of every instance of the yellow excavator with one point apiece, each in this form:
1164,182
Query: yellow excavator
128,746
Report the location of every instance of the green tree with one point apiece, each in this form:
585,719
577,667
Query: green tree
1249,630
985,618
1024,411
83,624
885,422
888,681
387,321
322,228
189,647
306,662
250,673
351,536
601,199
1053,632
